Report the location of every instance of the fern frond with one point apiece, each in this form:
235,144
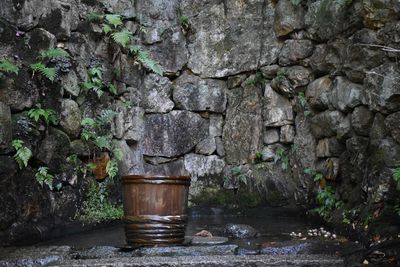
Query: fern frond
114,20
112,168
143,57
49,73
8,66
122,38
54,53
93,16
106,28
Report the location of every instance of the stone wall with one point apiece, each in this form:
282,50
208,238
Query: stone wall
253,93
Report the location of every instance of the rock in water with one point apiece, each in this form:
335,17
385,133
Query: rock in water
240,230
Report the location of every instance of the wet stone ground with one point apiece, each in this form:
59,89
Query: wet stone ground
275,242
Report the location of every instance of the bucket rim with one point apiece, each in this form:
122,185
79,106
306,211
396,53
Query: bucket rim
152,177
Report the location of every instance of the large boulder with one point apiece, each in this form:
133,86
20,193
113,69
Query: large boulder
295,50
193,93
173,134
204,171
325,19
124,8
128,123
382,86
54,148
71,117
326,124
278,110
156,94
222,44
243,119
288,17
5,127
361,120
392,123
346,95
317,93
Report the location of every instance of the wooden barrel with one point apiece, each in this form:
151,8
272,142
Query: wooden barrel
155,209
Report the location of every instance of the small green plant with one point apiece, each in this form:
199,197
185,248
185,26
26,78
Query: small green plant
95,82
43,177
102,142
396,177
328,202
50,73
53,53
281,75
295,2
302,99
184,22
97,207
7,66
143,57
23,153
237,175
317,177
47,115
282,155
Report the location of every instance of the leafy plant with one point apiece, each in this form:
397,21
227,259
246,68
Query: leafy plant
113,20
396,177
281,74
23,153
43,177
97,207
49,73
122,38
95,82
7,66
237,174
302,99
143,57
93,16
316,175
328,202
295,2
40,67
112,89
282,155
184,22
112,168
54,53
48,115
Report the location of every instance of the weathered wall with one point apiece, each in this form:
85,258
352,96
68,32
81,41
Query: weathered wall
230,98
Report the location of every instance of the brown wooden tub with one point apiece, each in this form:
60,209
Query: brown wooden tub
155,209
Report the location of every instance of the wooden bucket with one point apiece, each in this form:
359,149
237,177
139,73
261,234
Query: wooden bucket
155,209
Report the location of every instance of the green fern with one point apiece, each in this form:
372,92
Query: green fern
48,115
103,142
23,154
106,116
49,73
112,168
396,177
113,89
54,53
113,20
93,16
8,66
122,38
144,58
43,176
